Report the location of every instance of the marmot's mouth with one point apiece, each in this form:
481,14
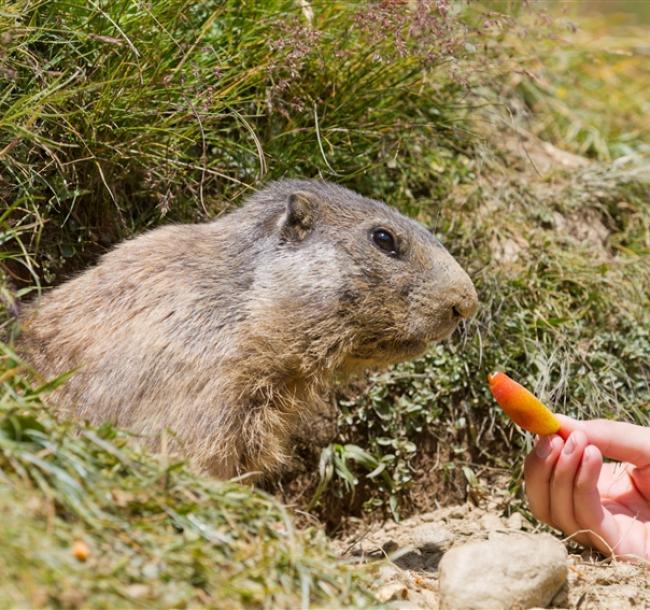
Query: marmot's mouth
406,347
445,332
397,350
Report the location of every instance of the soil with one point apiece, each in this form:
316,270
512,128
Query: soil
406,555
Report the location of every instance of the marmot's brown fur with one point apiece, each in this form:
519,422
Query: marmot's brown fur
227,333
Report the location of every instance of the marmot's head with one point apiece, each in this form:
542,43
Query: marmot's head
352,277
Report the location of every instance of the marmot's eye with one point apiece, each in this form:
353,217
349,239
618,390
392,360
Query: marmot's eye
384,240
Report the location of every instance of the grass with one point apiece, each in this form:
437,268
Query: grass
603,74
524,142
158,535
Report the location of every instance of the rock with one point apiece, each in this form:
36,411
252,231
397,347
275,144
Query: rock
405,605
431,538
423,599
389,546
619,573
508,571
428,599
458,512
408,559
428,517
389,526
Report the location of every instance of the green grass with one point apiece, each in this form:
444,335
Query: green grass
119,116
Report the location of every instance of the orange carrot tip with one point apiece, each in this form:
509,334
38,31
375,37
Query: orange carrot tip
521,406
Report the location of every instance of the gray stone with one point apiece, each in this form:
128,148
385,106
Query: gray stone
509,571
407,558
389,546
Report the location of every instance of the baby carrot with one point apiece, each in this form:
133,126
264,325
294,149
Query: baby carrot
521,406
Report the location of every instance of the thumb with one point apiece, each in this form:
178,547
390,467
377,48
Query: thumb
618,441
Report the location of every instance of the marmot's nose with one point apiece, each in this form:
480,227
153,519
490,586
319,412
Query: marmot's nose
465,305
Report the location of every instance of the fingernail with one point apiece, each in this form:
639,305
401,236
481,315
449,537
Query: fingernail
589,453
543,447
570,445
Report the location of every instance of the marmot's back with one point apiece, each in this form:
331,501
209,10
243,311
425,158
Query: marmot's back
227,333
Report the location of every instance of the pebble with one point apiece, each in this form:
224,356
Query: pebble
458,512
509,571
388,572
423,599
389,546
429,598
431,538
428,517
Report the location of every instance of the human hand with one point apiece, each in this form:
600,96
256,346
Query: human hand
604,506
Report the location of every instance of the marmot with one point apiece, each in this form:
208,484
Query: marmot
227,333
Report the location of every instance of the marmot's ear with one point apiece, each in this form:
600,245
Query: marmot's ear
300,216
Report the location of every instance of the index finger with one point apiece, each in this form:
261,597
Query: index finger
619,441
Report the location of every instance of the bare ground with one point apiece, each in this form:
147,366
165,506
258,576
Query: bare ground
407,556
